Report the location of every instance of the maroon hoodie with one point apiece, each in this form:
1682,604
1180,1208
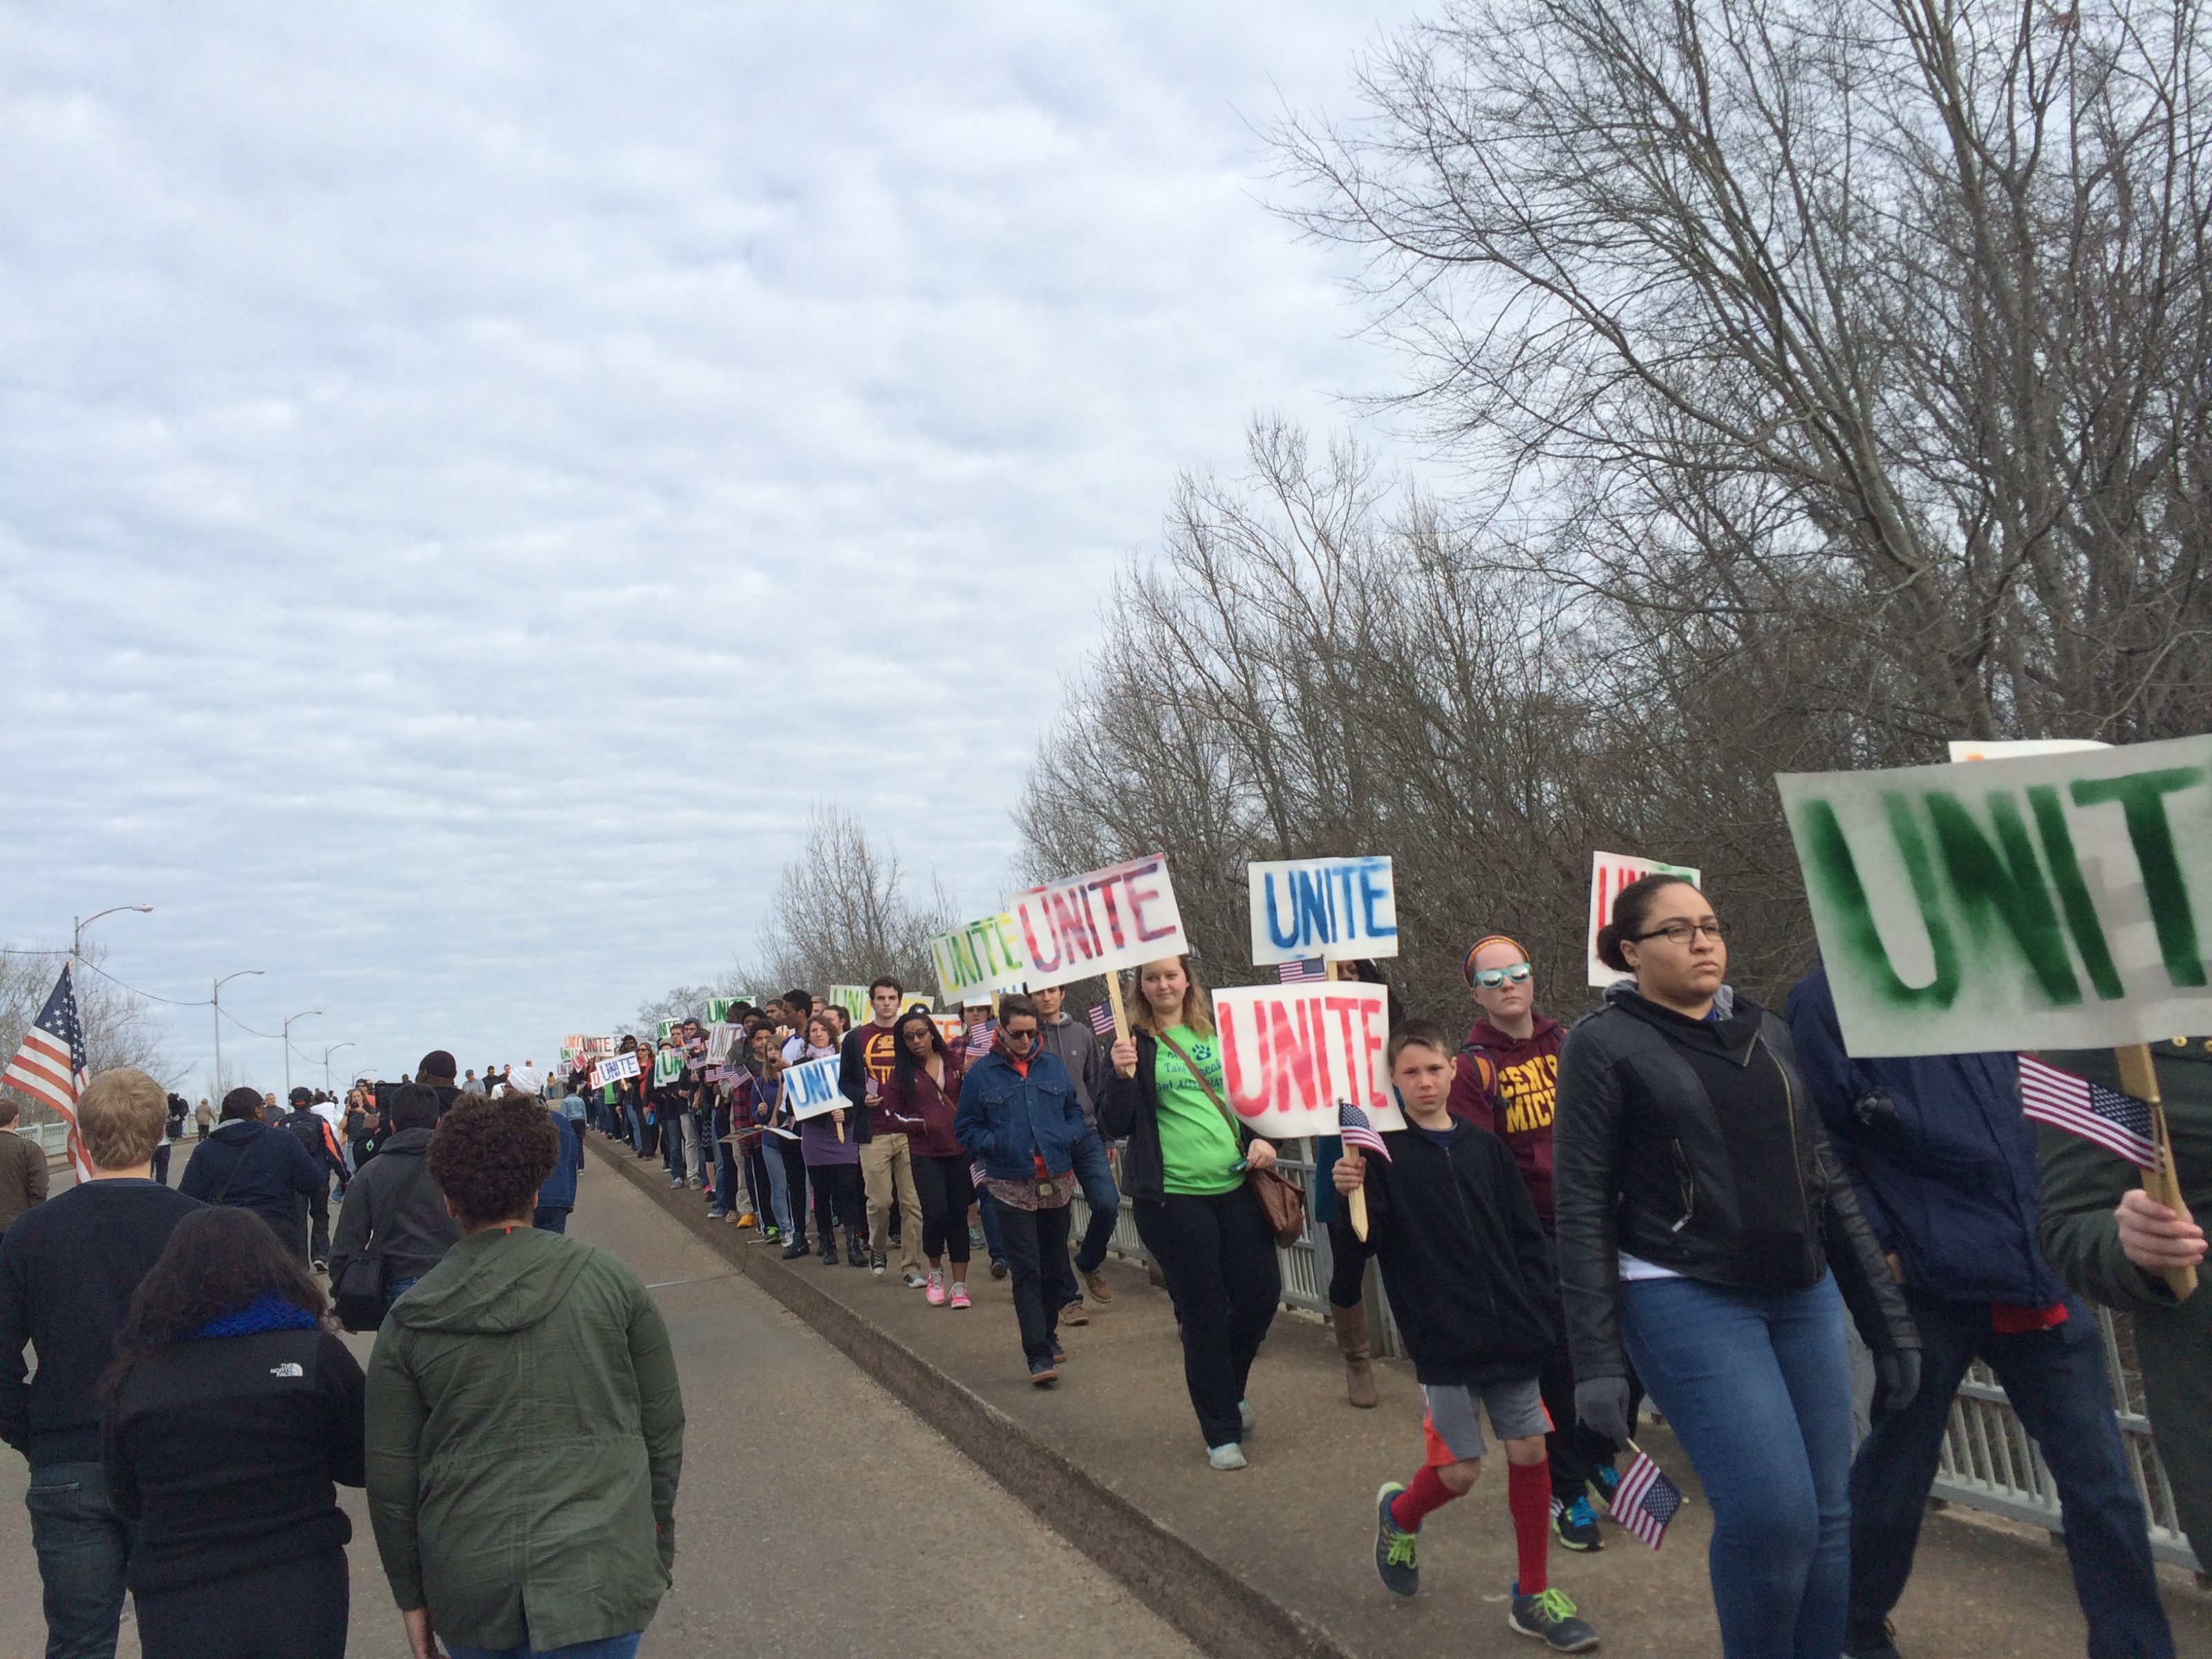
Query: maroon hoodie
1509,1085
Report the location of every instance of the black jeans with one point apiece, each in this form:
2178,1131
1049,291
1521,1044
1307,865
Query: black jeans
946,1188
294,1610
839,1199
319,1216
1348,1270
1219,1257
795,1182
1036,1252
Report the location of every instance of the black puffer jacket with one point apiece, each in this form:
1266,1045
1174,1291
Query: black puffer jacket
1130,1106
1696,1146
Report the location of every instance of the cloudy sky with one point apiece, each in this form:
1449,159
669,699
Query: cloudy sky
476,473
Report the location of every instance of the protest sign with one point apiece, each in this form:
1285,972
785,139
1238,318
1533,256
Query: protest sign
613,1069
949,1027
1332,909
1609,873
717,1008
978,960
720,1039
1291,1053
812,1090
1098,921
667,1066
1976,749
854,999
2048,901
663,1029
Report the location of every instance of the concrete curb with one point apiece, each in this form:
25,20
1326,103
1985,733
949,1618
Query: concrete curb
1208,1602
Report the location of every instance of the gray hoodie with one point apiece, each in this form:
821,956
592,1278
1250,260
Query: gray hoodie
1071,1041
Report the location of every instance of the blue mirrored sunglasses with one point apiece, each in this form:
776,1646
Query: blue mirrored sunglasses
1491,978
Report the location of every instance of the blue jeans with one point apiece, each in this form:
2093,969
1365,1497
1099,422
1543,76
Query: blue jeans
550,1218
778,1184
2058,1384
1094,1173
607,1647
994,1243
1757,1386
83,1546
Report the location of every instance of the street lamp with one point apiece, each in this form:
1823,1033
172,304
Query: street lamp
76,933
307,1014
327,1052
216,997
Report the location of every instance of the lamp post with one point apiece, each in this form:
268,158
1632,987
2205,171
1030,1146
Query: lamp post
216,997
76,932
327,1052
306,1014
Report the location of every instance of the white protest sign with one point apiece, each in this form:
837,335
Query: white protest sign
613,1069
854,999
667,1066
720,1039
1291,1053
1977,749
1323,909
811,1090
1098,921
977,959
1609,873
2060,901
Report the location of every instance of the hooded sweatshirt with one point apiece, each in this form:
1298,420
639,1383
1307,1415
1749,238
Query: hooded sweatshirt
526,1431
1509,1085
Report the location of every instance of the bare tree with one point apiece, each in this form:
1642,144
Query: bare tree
120,1028
842,914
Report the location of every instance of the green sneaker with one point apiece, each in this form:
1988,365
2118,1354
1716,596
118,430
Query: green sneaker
1397,1552
1550,1617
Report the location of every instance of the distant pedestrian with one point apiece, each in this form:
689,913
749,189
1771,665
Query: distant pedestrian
22,1169
67,1273
204,1116
557,1197
525,1425
252,1166
312,1131
231,1418
832,1159
393,1209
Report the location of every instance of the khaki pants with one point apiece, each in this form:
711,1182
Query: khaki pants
886,1167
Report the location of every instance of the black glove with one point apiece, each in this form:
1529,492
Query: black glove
1897,1380
1602,1403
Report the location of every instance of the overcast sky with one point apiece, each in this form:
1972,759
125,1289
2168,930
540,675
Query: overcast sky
474,474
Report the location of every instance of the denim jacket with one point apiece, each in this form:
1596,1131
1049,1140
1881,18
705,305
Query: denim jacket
1007,1121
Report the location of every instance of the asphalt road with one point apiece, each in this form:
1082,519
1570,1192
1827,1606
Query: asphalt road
818,1516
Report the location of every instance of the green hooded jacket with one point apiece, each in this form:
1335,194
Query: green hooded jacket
525,1429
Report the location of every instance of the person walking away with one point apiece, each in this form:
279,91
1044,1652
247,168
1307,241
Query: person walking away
203,1117
435,1070
557,1197
312,1131
67,1270
1071,1041
2113,1243
394,1209
1468,1270
525,1423
1184,1171
172,1130
233,1418
1507,1082
22,1169
832,1159
249,1165
1944,1167
921,1101
1707,1233
869,1054
1019,1118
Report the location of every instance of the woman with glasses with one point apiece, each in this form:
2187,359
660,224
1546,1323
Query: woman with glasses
921,1102
1184,1176
1708,1235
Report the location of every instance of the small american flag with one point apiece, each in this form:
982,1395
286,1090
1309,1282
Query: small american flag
2119,1123
1101,1019
50,1065
1301,972
1646,1500
979,1039
1357,1131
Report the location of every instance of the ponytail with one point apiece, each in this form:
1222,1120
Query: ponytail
1631,906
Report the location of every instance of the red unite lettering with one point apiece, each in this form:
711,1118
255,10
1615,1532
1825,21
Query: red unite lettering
1077,941
1105,892
1293,1058
1140,896
1029,934
1237,1058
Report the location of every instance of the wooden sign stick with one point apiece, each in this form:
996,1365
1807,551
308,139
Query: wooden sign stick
1355,1202
2139,1077
1121,1014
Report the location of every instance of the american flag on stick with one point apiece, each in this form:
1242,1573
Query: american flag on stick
1646,1500
1352,1124
1101,1019
979,1039
2119,1123
52,1065
1302,971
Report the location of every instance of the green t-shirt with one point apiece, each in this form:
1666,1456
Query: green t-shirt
1199,1151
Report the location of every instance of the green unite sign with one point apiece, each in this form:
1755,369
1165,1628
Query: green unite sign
2054,902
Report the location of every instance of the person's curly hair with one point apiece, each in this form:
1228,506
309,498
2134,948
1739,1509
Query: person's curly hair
217,1260
489,1156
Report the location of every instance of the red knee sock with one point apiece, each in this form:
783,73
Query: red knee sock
1528,1495
1414,1505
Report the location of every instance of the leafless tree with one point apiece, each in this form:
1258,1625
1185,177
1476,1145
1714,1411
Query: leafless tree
119,1026
842,914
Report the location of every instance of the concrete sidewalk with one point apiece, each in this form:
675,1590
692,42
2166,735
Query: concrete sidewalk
1277,1560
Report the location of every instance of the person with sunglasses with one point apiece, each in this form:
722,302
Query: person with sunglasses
1507,1082
1707,1233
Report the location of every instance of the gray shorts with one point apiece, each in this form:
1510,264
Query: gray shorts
1455,1419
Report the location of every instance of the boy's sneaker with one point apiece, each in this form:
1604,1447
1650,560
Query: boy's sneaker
1550,1618
1576,1524
771,1235
1606,1479
1397,1552
936,1288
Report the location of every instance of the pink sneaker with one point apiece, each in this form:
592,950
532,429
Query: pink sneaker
959,1294
936,1288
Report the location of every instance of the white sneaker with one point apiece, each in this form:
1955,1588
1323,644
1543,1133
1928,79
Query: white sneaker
1230,1456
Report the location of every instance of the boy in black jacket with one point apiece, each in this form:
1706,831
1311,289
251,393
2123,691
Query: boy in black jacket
1466,1265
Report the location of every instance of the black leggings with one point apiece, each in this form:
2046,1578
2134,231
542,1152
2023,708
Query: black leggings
1219,1257
947,1189
294,1610
839,1198
795,1182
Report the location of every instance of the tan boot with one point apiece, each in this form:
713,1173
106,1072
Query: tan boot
1352,1342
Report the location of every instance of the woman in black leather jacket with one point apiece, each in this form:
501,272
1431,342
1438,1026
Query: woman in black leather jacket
1700,1214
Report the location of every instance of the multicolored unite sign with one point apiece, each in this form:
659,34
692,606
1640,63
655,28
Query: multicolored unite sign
1097,923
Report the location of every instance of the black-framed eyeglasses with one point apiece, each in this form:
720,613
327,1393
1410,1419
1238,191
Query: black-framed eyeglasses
1679,931
1490,979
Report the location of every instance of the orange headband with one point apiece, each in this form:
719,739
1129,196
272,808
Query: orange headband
1467,963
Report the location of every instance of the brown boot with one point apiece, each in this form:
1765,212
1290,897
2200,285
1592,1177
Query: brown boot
1352,1342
